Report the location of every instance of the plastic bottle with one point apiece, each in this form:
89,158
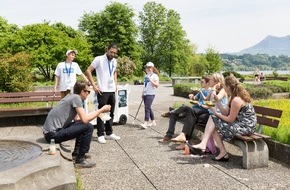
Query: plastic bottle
186,149
52,148
95,101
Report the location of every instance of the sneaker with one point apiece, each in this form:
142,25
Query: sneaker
165,139
112,137
102,140
83,163
87,156
144,125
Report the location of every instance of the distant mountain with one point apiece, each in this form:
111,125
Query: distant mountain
271,45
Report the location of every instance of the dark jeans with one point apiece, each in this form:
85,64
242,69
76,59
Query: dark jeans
81,131
107,98
148,100
191,117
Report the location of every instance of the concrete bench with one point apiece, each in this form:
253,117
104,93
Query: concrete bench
254,148
23,97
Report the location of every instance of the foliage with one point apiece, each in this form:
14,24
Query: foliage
47,45
248,62
282,133
114,24
126,67
6,33
214,60
164,40
275,73
152,19
237,75
285,85
198,65
258,91
184,89
15,73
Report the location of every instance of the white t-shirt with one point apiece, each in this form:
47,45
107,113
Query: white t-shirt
149,89
105,73
67,74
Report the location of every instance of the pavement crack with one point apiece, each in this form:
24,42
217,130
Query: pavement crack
137,166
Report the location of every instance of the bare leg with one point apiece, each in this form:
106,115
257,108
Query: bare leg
209,129
220,144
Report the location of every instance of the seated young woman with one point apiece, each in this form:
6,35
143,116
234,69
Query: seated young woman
238,118
188,112
218,94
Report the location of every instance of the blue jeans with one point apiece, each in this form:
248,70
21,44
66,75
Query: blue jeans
81,131
148,100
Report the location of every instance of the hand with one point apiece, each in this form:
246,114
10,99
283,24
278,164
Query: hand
215,98
191,96
106,108
213,109
97,90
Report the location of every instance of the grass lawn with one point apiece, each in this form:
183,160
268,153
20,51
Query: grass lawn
282,133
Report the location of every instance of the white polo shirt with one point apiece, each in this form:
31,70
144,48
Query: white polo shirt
67,74
105,73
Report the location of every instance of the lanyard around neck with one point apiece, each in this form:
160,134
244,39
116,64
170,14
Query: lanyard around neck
110,69
68,71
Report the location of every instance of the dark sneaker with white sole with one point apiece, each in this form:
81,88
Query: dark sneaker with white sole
83,163
87,156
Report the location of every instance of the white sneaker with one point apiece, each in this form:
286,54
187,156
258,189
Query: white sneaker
153,123
102,140
144,125
112,137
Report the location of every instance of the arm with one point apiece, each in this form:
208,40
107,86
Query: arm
89,71
236,105
115,79
55,83
86,118
85,78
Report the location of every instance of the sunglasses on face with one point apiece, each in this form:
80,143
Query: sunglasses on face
87,91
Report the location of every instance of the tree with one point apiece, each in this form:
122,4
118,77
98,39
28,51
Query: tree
214,60
126,68
7,32
174,50
47,45
114,24
152,19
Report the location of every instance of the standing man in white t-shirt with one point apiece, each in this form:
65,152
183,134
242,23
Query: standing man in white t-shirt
105,66
65,74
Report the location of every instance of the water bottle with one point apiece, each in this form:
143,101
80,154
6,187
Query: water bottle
52,148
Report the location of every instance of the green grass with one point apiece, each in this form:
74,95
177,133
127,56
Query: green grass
26,105
80,185
282,133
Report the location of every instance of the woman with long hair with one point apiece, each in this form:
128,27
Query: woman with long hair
238,118
151,82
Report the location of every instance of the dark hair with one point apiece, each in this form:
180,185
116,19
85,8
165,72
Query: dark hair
206,78
113,45
79,86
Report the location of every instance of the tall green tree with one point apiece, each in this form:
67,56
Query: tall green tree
214,60
174,50
7,32
46,46
114,24
152,20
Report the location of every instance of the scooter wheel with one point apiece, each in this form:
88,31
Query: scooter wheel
123,119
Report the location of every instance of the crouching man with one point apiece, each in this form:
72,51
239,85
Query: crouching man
68,120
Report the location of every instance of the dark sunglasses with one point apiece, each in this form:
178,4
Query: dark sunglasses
87,91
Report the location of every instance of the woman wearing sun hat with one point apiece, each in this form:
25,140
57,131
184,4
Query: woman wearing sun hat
151,82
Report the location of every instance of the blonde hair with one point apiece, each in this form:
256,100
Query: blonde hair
237,90
218,77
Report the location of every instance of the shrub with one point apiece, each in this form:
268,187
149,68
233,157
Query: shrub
237,75
258,91
285,85
15,73
184,90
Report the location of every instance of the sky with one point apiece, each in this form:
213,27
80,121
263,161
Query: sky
225,25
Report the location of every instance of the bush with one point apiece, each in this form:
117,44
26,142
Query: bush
15,73
284,85
184,90
237,75
258,91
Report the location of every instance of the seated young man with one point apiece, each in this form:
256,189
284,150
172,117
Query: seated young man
192,114
68,120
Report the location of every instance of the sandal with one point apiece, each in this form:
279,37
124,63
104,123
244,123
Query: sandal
197,151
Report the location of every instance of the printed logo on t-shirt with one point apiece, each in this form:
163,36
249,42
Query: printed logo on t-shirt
64,70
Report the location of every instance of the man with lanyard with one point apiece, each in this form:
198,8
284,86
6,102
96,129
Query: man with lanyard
105,66
65,74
